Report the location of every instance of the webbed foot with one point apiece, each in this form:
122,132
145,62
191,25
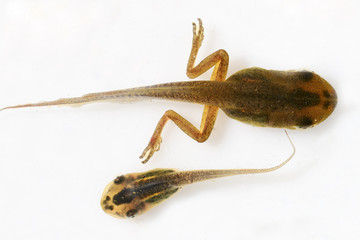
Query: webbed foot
152,147
198,34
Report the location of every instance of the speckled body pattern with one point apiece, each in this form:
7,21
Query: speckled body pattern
132,194
135,193
267,98
285,99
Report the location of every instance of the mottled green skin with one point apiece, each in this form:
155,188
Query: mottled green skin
284,99
135,193
132,194
267,98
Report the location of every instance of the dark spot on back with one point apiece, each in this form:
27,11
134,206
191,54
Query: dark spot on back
125,196
119,179
131,213
111,207
326,94
106,200
326,105
305,76
302,98
305,122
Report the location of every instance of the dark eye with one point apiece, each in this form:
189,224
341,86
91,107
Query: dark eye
131,213
119,179
305,122
305,76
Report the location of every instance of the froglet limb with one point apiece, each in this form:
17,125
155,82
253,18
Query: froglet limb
135,193
267,98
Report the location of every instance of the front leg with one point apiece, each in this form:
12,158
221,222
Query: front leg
220,60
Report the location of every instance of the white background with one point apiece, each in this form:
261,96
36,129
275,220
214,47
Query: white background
56,161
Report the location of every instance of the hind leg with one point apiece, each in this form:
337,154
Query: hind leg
220,60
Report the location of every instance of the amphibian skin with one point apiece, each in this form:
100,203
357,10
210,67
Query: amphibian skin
267,98
135,193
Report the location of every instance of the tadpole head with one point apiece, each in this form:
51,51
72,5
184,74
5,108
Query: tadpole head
135,193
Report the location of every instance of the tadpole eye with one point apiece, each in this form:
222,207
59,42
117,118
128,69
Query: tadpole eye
119,179
131,213
305,122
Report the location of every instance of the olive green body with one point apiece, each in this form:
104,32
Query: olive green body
284,99
267,98
132,194
135,193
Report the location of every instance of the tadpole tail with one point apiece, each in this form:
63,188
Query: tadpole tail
191,91
203,175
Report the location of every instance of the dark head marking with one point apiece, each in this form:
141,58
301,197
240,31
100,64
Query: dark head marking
106,200
111,207
131,213
119,179
305,76
125,196
326,105
305,122
326,94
